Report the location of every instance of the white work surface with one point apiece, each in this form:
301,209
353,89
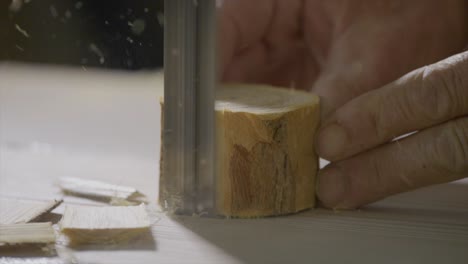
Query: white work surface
58,122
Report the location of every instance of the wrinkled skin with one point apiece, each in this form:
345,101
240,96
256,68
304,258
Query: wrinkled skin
345,51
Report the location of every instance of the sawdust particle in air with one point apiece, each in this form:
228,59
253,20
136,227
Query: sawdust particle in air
94,49
137,26
160,17
68,14
78,5
22,31
15,5
53,11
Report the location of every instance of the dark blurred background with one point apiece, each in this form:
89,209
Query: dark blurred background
118,34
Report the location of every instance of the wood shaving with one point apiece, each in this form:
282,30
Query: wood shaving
114,194
14,211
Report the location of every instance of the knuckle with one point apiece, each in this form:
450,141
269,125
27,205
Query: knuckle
378,123
436,96
381,120
452,149
389,112
377,177
459,133
374,181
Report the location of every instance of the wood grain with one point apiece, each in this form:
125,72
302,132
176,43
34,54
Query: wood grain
20,211
29,233
267,163
108,224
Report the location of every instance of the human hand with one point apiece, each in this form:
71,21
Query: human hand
366,166
339,49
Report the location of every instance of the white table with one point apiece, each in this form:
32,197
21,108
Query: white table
103,125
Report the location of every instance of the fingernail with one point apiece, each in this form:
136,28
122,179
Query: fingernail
330,187
331,141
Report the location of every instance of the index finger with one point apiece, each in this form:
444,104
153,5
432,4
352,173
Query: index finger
423,98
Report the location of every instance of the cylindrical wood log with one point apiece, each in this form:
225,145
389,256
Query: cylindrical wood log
265,146
266,163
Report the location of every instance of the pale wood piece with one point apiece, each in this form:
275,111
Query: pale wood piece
16,211
114,194
109,224
265,144
29,233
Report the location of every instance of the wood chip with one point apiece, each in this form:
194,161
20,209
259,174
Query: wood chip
114,194
110,224
30,233
14,211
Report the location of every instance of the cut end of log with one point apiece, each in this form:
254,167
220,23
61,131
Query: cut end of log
262,99
267,162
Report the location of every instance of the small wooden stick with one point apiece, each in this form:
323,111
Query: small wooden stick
108,224
14,211
115,194
30,233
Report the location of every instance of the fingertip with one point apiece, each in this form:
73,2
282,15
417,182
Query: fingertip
331,187
335,189
331,141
